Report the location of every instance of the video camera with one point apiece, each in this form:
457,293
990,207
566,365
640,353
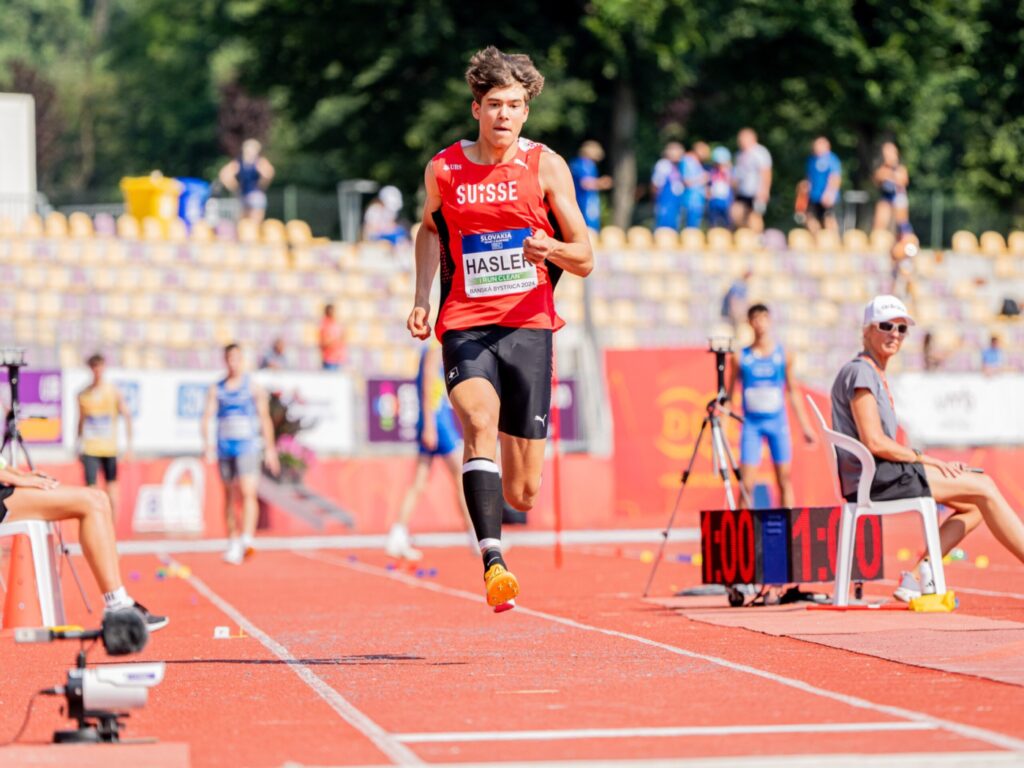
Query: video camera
721,346
98,697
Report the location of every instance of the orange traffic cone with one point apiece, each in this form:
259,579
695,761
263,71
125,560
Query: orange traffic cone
21,608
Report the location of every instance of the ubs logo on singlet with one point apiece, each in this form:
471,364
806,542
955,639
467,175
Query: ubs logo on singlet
500,192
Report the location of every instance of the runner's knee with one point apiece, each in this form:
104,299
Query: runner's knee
480,422
522,495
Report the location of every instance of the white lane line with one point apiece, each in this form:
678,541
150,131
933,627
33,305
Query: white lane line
397,752
666,732
906,760
967,731
378,541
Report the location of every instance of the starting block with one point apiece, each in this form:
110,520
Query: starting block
934,603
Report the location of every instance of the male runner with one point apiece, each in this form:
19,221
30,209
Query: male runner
99,407
763,369
243,418
501,218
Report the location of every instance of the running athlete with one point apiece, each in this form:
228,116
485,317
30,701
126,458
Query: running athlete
244,431
501,218
437,435
763,369
99,407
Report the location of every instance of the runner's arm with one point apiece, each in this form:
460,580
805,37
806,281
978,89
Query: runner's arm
732,377
798,404
428,257
81,424
574,254
126,414
204,422
267,428
227,176
426,406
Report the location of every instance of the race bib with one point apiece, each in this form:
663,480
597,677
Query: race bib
763,400
237,428
494,265
97,427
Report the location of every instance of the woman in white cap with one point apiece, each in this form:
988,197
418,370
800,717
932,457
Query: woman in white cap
863,407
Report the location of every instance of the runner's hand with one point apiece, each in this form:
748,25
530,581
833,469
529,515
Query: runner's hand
272,463
418,322
538,246
429,438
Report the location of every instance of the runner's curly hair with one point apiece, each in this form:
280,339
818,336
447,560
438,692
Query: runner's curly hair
490,68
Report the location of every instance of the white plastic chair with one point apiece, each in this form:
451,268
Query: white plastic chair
852,512
42,539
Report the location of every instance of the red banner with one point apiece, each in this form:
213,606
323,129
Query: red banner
659,400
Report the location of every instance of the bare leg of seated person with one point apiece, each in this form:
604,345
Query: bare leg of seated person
91,508
970,490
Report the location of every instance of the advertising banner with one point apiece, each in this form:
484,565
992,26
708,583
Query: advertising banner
659,400
40,412
960,409
167,407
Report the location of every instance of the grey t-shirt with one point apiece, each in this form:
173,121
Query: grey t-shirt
750,163
857,374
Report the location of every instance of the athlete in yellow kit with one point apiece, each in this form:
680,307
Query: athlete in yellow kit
100,406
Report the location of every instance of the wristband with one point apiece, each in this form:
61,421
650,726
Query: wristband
917,455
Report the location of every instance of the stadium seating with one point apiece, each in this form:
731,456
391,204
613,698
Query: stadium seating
158,295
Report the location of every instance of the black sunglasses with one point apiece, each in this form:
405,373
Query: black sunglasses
886,327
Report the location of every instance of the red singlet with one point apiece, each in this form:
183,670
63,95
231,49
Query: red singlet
486,212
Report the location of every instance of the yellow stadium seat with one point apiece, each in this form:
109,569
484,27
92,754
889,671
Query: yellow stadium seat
248,231
693,239
613,237
666,238
201,232
1015,243
964,242
992,244
827,240
153,229
800,240
80,225
55,225
298,232
719,239
32,226
882,240
274,233
177,231
746,239
856,240
639,237
127,227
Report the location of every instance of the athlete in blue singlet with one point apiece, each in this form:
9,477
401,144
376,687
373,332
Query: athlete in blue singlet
244,440
437,434
763,369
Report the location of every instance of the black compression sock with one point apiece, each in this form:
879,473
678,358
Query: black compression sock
482,483
492,556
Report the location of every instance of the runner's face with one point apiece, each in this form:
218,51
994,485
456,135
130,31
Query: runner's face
233,361
761,323
97,372
501,113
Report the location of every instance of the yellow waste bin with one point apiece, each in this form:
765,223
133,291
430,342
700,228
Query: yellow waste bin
154,196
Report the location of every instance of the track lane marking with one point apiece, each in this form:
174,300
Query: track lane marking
661,732
975,733
397,752
906,760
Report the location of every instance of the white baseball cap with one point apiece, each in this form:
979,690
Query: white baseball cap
885,307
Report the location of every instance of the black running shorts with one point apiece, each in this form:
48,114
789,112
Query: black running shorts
517,361
93,465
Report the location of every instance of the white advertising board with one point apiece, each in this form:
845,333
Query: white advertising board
167,407
961,409
17,155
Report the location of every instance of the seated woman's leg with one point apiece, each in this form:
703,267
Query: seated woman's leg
965,518
91,508
981,491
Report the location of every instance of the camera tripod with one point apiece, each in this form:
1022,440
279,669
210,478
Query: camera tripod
14,442
722,461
